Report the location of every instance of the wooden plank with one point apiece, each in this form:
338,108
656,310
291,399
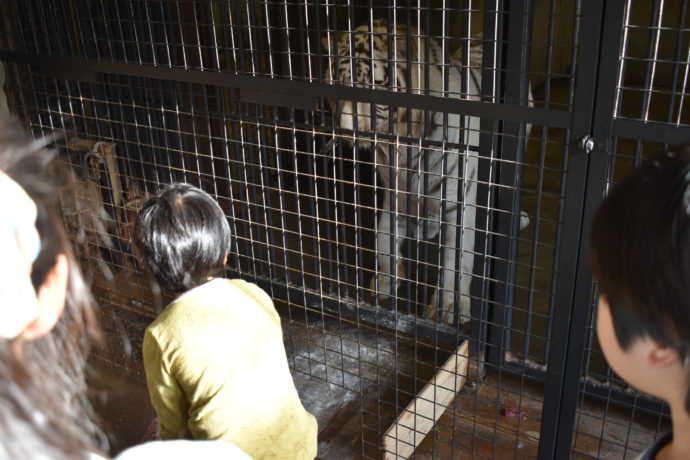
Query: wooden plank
105,152
108,152
84,145
419,417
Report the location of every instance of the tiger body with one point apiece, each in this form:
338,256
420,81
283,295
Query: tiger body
433,178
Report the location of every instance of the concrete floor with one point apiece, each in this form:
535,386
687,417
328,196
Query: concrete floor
356,381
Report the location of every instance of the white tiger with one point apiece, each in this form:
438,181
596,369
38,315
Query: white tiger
458,190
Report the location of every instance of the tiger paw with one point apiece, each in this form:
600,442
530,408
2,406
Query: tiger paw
381,290
448,308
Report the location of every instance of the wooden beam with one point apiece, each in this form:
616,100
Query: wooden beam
84,145
419,417
104,152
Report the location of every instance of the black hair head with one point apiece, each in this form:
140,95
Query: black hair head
182,236
640,251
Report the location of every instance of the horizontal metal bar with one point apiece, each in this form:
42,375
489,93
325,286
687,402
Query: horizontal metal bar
438,334
601,392
651,131
283,100
624,399
545,117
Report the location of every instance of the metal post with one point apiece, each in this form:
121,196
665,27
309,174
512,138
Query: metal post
599,47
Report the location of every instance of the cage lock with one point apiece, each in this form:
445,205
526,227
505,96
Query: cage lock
586,143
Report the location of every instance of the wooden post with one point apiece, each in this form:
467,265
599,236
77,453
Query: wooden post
419,417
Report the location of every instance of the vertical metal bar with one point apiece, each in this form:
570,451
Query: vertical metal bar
549,53
652,56
227,42
152,40
269,42
683,17
244,147
421,36
166,22
237,49
341,223
359,275
218,100
394,149
341,205
79,46
374,146
201,90
537,216
586,185
564,167
465,72
132,29
490,79
507,219
322,186
238,172
303,41
331,163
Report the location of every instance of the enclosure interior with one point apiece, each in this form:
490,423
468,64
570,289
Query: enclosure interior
398,178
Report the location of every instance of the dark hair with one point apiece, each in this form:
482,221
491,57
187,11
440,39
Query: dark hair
182,236
640,252
44,408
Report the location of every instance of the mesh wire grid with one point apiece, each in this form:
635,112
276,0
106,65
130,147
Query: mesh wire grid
304,188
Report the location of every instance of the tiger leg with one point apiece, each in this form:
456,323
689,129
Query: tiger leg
469,223
442,305
384,237
466,202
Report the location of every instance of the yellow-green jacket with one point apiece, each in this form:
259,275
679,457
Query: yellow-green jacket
216,368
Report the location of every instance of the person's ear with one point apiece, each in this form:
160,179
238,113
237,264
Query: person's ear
51,300
660,356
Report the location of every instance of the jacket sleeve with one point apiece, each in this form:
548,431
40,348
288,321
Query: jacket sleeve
166,396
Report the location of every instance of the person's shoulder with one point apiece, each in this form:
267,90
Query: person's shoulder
221,295
239,283
216,449
254,293
250,289
171,315
162,320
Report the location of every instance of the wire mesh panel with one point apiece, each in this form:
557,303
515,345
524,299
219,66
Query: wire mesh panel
394,175
653,70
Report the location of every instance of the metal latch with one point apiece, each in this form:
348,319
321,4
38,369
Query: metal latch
589,143
586,143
